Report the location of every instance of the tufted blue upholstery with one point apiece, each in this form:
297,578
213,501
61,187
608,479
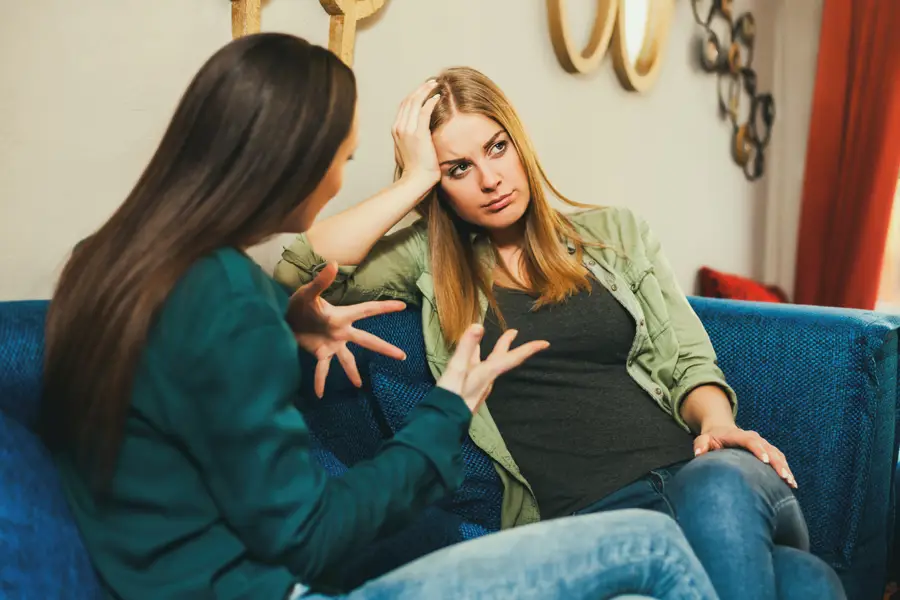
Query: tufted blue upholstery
819,383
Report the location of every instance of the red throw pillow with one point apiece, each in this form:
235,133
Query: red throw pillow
715,284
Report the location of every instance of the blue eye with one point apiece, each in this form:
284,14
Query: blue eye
499,147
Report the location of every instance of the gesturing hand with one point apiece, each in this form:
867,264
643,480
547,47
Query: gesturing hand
323,330
472,378
732,436
413,149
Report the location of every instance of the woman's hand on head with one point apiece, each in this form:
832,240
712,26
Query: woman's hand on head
470,377
323,330
413,149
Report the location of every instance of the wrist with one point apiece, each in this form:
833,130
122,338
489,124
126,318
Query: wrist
711,424
419,181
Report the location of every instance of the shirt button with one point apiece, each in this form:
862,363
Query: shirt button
641,324
591,262
658,392
614,287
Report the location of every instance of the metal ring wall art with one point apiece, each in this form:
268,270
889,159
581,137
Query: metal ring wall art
751,113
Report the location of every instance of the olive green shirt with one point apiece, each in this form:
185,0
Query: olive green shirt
670,356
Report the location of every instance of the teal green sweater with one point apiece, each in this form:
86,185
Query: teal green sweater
216,494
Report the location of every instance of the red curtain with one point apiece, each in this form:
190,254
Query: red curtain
852,156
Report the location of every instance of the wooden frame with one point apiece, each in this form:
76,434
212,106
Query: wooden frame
345,14
572,59
245,17
609,30
640,75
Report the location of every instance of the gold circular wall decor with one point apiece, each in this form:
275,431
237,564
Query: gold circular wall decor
636,73
572,59
639,73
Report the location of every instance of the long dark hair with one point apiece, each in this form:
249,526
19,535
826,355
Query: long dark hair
251,138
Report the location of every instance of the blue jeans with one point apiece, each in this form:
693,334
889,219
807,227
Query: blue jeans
618,554
743,522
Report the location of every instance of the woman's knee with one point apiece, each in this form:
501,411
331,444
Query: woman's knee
721,475
638,522
742,492
645,531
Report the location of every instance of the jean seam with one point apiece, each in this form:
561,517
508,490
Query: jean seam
782,503
661,490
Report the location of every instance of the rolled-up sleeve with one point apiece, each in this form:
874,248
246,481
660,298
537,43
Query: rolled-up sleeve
390,270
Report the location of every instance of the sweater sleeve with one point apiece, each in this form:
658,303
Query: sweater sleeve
252,446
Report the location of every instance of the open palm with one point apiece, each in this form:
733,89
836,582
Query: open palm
472,378
323,329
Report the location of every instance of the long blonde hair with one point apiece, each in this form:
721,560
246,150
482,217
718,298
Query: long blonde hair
460,277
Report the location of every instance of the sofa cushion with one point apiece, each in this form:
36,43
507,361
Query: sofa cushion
21,359
716,284
398,386
41,552
432,530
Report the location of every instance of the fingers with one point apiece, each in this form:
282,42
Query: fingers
779,463
410,106
734,437
459,365
376,344
755,444
701,444
416,105
459,362
466,346
425,112
510,360
504,342
475,357
502,359
356,312
319,284
769,454
321,375
345,357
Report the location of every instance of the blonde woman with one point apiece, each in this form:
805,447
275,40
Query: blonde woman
613,414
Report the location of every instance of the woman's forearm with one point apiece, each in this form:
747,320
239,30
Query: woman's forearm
707,407
347,237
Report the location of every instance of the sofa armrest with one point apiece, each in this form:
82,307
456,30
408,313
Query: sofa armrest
821,384
21,358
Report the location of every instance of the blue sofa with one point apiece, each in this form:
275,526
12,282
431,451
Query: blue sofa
822,384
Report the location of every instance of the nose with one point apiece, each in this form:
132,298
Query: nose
490,179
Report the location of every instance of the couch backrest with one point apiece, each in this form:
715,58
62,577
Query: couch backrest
41,552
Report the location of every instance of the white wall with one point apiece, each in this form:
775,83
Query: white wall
86,89
796,50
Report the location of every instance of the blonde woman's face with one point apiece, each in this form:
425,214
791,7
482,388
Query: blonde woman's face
481,172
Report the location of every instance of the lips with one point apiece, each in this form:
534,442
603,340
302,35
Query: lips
500,203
